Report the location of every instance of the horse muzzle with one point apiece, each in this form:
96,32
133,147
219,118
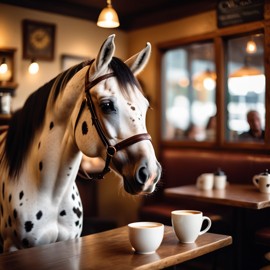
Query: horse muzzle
143,181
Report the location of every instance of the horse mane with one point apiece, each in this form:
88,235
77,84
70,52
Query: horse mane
123,74
27,120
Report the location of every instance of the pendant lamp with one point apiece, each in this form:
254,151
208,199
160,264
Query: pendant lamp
108,17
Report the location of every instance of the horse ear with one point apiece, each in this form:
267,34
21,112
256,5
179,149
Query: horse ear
138,61
104,56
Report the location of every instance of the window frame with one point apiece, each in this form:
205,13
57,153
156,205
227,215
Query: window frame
218,38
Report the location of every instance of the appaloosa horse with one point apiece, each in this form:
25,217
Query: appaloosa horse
96,108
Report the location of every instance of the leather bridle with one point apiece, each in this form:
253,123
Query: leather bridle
110,149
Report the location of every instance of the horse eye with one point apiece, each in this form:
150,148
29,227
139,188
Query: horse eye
107,107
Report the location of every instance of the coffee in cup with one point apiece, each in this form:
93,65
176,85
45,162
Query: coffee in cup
145,237
187,224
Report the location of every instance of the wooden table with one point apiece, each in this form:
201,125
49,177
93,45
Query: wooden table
241,198
110,250
247,196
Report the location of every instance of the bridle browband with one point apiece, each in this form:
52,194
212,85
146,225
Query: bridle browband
111,149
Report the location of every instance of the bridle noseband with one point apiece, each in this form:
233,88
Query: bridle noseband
110,149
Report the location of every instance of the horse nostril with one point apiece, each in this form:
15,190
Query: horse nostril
142,175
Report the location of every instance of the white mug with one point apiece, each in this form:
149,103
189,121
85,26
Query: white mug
262,182
205,181
220,181
187,224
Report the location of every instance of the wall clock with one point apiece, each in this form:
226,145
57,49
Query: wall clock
38,40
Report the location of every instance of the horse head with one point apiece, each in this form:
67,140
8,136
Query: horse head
114,115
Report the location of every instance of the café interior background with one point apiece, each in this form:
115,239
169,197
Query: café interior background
82,38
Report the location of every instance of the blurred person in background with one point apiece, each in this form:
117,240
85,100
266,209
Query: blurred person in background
255,132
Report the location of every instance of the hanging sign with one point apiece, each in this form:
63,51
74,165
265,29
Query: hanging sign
232,12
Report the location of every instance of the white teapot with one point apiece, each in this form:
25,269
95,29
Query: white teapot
262,181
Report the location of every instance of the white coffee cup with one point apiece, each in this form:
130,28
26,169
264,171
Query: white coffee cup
145,237
205,181
220,181
187,224
262,182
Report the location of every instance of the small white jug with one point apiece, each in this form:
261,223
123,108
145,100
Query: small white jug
262,181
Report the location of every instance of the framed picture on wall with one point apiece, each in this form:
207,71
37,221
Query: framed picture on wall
68,60
38,40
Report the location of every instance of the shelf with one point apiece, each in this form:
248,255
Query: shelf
8,87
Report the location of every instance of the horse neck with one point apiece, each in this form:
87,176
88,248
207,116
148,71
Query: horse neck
56,161
66,101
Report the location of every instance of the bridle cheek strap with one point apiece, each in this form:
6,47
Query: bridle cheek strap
111,149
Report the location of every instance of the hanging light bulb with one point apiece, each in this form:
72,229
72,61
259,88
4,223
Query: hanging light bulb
108,17
251,47
33,67
205,80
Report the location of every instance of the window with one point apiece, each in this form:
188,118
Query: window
189,92
209,85
245,88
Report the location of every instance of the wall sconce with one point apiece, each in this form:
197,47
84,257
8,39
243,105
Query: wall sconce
5,71
33,67
108,17
3,66
7,67
7,75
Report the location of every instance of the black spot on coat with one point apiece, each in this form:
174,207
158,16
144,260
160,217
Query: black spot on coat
28,225
40,165
77,211
21,195
9,222
62,213
84,128
39,215
51,125
15,214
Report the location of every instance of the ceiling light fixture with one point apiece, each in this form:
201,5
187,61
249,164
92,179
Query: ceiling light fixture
205,80
246,70
108,17
246,79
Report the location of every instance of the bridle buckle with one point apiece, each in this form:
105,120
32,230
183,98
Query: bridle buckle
111,150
